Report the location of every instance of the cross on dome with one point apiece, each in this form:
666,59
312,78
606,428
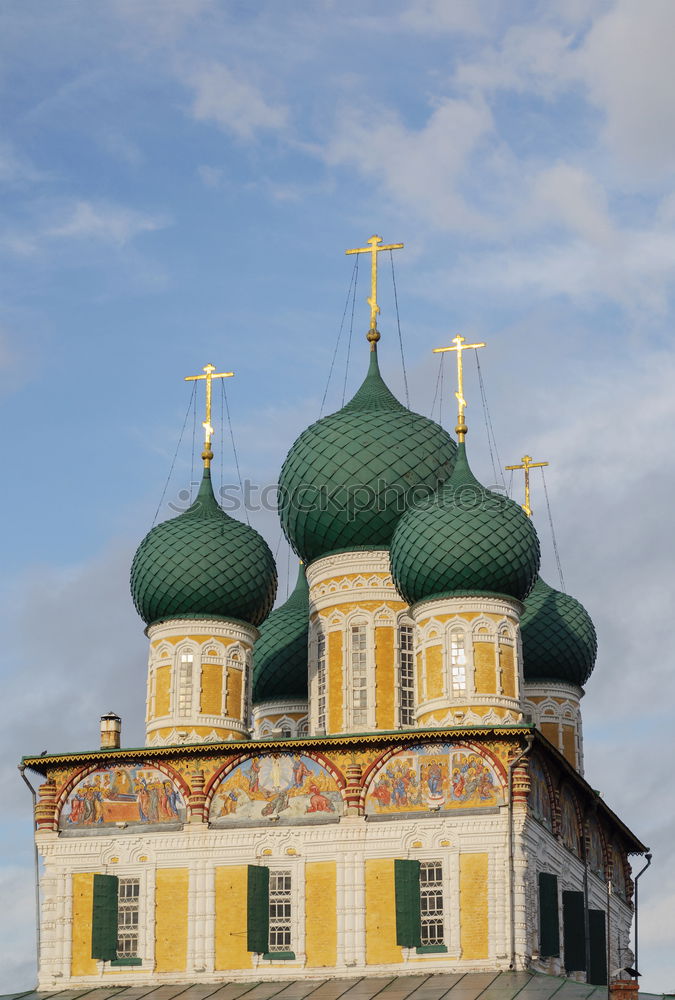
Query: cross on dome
209,374
527,464
374,247
459,345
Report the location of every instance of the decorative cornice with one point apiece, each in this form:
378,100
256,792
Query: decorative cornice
278,706
211,628
483,603
552,689
508,731
360,561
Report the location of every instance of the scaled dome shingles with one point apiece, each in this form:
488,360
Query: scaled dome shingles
371,454
203,563
465,540
559,638
280,654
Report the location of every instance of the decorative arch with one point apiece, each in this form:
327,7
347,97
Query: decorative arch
429,777
541,797
278,786
570,820
131,793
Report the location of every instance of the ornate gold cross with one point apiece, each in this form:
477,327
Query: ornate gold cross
374,247
526,466
209,374
459,345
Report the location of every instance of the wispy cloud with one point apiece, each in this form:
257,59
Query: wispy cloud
232,102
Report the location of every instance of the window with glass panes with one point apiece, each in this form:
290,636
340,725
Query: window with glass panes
185,684
431,902
359,664
406,677
457,663
128,898
321,681
280,911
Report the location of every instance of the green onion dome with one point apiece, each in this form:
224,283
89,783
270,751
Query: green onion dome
280,653
464,540
349,477
559,640
203,563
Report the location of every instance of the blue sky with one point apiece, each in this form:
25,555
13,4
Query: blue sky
178,182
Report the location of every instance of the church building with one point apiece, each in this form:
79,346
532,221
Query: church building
383,776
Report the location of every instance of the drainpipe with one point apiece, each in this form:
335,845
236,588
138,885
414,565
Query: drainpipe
529,740
648,859
36,867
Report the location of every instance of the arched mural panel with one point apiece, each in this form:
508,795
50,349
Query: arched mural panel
123,795
539,798
569,821
279,788
438,776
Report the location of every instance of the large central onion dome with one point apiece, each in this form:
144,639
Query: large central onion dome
349,477
201,564
280,653
559,640
464,540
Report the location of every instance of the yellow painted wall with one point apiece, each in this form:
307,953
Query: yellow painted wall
234,680
162,687
485,676
550,731
381,947
508,664
231,909
321,913
473,905
212,689
434,655
385,677
82,964
569,744
334,678
221,731
171,919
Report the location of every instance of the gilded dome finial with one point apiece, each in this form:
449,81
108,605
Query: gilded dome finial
459,346
374,247
527,464
210,374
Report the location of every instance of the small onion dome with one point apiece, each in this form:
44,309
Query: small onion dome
203,564
349,477
280,654
559,640
464,540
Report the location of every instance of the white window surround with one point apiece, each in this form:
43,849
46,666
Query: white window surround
128,917
432,903
281,910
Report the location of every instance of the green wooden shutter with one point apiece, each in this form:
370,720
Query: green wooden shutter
549,921
574,934
104,918
597,974
258,909
408,916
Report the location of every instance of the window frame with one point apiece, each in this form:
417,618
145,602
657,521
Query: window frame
406,672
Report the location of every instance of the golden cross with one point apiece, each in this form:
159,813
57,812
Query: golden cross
526,466
374,247
459,346
209,374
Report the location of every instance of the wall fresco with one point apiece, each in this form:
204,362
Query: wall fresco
124,794
276,788
435,776
539,798
568,822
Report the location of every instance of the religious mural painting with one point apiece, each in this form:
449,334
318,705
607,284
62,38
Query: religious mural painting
540,800
568,821
436,776
596,858
131,795
279,788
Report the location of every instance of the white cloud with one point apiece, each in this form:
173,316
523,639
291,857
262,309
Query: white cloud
458,17
233,103
420,169
627,64
106,223
570,195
